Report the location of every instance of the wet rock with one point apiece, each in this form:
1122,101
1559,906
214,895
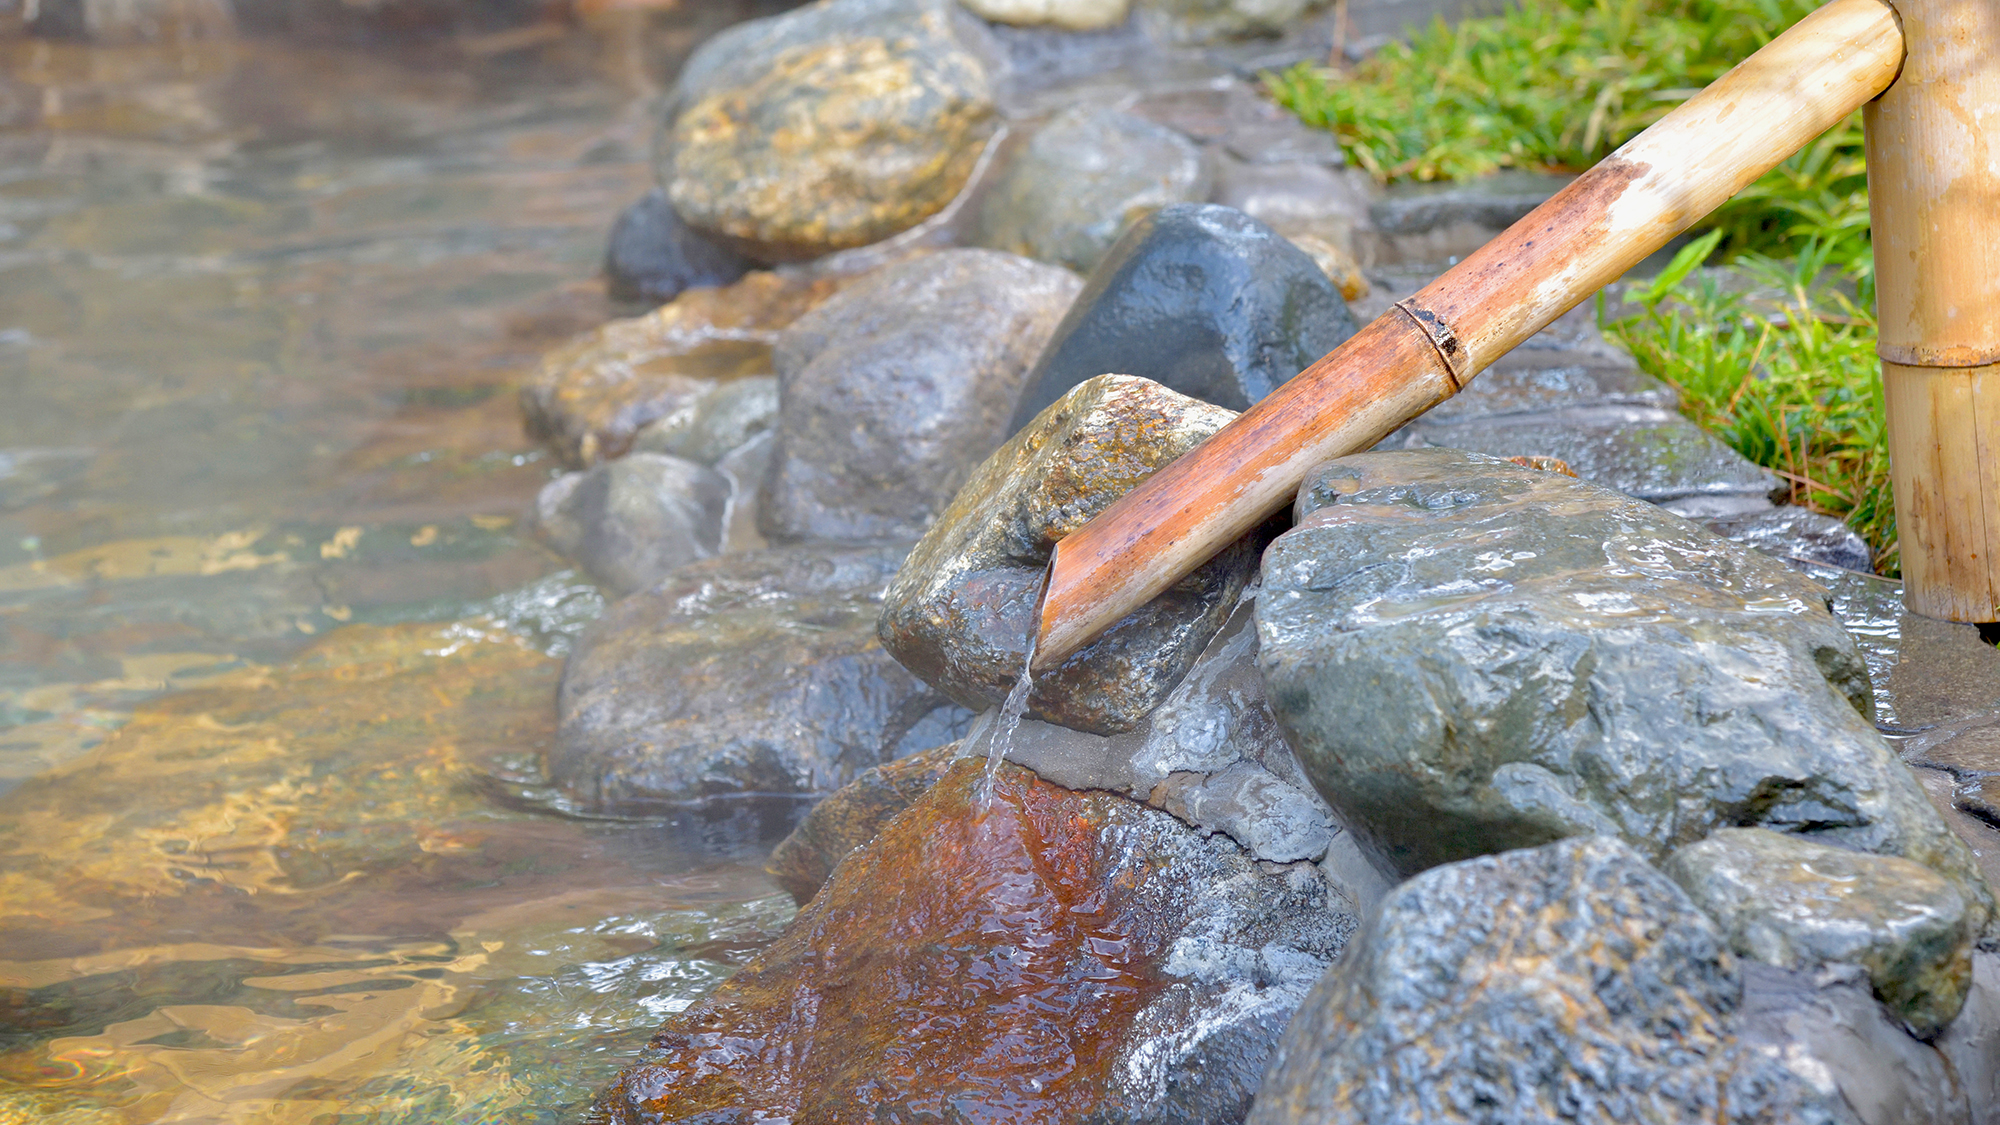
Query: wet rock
744,674
1471,656
1493,202
961,608
1653,454
1972,1043
1535,381
1082,180
1829,1030
1796,533
1968,750
1799,905
1568,982
653,256
711,425
852,815
1217,21
1211,753
1050,955
1296,196
1247,125
835,125
1336,262
892,392
591,396
1202,299
630,522
1071,15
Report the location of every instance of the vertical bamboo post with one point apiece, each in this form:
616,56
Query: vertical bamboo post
1934,198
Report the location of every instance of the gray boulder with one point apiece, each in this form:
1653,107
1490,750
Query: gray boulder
1570,983
1799,905
652,255
1202,299
962,607
755,673
835,125
627,523
1471,656
1082,180
891,392
1796,533
1219,21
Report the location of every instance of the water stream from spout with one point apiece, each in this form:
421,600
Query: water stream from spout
1015,705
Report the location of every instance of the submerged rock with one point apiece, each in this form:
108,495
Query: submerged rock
1201,299
891,393
1570,982
755,673
1082,180
628,523
961,609
593,395
853,815
653,256
1049,955
1471,656
1799,905
715,423
834,125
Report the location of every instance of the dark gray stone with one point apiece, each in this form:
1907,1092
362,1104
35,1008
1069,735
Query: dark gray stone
832,126
628,522
1653,454
1202,299
1570,983
1796,533
1495,202
652,255
714,423
1532,381
1082,180
891,392
745,674
1799,905
961,609
1470,656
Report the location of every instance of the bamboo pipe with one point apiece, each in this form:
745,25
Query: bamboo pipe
1934,200
1425,349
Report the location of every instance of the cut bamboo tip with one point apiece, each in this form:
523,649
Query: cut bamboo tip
1425,349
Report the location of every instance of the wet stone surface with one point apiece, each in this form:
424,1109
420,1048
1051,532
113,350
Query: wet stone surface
1201,299
1576,631
1568,982
716,423
592,396
1799,905
832,126
1796,533
853,815
754,673
960,609
629,522
1045,955
1082,179
892,392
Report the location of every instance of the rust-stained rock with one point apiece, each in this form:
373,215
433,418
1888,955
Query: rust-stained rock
961,608
829,127
1050,956
594,393
852,816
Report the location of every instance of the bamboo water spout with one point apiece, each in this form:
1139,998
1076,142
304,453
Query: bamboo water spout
1428,347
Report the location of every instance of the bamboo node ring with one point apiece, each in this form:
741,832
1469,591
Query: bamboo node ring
1450,351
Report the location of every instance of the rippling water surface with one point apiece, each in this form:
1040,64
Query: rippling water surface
275,670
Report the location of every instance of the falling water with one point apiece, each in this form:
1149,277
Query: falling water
1016,704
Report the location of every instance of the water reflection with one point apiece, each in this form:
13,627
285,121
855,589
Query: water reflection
275,671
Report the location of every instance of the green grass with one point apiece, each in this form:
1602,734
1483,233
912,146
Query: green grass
1556,86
